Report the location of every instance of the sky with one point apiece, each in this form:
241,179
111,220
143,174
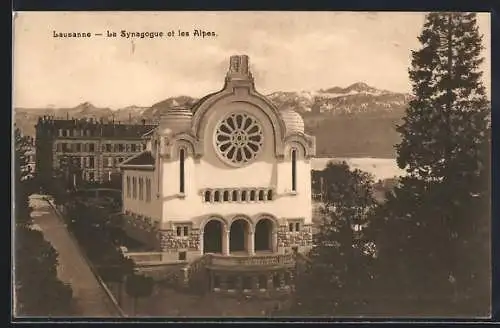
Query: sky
289,51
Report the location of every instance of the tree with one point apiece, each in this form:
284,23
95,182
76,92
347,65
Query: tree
335,280
138,286
38,290
435,224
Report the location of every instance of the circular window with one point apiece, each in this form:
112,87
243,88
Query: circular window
238,138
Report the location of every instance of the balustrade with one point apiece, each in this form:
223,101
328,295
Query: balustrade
268,260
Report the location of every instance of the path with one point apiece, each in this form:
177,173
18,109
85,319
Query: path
90,297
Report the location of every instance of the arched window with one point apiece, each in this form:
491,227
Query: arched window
181,170
269,195
235,196
207,195
243,195
226,196
252,195
217,196
294,170
261,195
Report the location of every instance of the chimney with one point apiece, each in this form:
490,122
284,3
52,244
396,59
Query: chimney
239,70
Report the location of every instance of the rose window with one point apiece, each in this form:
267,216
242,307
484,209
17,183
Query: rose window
239,138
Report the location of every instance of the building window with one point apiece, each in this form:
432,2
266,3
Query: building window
294,226
239,138
261,195
91,176
243,195
141,189
216,196
60,132
181,170
252,195
226,196
120,148
182,231
92,163
294,170
133,147
108,148
207,196
134,187
182,256
78,147
235,196
91,148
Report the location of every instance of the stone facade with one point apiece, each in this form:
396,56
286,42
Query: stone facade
170,242
302,238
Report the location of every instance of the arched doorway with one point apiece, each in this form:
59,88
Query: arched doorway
238,236
212,237
263,235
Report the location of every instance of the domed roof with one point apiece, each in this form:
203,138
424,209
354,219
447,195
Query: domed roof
175,119
293,120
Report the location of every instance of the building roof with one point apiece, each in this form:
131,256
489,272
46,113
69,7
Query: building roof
143,159
98,128
176,119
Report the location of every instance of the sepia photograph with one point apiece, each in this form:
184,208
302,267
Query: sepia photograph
251,165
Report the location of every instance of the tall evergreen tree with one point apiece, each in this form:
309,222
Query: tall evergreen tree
334,282
439,215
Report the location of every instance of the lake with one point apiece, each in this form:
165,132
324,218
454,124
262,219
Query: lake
380,168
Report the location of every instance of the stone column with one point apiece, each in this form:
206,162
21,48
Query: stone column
251,242
269,282
292,279
225,241
274,240
282,279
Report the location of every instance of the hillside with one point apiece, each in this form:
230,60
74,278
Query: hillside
356,121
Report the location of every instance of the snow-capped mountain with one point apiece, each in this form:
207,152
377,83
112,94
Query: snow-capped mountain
362,116
356,98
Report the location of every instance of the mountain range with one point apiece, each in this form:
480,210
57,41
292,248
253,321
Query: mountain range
355,121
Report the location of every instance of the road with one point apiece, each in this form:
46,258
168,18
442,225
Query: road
90,297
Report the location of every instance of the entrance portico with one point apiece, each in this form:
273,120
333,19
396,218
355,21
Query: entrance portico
240,236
